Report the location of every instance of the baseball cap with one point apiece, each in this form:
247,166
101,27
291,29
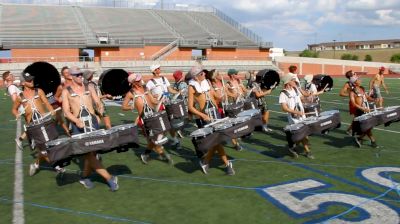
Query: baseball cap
28,77
308,78
134,77
154,67
75,71
287,78
196,70
178,75
87,74
232,71
382,68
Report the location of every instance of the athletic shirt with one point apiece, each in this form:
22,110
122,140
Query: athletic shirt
158,86
312,88
12,89
292,99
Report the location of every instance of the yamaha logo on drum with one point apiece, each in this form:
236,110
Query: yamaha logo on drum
391,115
96,142
241,129
326,123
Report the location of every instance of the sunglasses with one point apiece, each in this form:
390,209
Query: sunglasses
77,75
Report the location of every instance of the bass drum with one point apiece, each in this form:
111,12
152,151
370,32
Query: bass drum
268,78
322,80
114,82
46,76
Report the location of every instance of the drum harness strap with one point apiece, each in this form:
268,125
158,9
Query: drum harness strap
84,114
296,98
364,98
36,115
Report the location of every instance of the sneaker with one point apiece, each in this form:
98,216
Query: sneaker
98,157
229,169
113,183
18,142
60,170
265,129
179,133
145,158
309,155
238,147
33,168
349,132
87,183
293,152
204,167
374,145
357,141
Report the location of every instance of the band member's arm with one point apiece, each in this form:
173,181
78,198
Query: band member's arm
46,102
353,101
67,110
229,91
262,93
285,108
384,86
371,83
14,97
172,90
14,108
345,90
191,106
304,93
153,100
125,104
96,99
244,89
57,96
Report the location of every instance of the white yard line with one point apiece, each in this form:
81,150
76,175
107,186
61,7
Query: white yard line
18,206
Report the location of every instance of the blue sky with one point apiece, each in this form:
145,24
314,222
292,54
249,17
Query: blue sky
292,24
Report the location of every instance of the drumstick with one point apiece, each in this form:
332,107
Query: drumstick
159,104
216,122
176,96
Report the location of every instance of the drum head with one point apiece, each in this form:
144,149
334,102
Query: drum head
250,113
322,80
239,120
222,126
46,76
267,78
329,112
202,132
293,127
114,82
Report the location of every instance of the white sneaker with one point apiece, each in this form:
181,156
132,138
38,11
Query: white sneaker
33,168
60,170
204,167
18,142
229,169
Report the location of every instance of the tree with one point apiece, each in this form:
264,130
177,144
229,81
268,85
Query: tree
309,54
346,57
368,57
395,58
354,57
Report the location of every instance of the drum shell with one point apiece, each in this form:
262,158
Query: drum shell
322,80
128,135
203,144
328,123
267,78
93,142
177,124
157,124
238,130
250,103
231,110
298,133
43,132
59,152
176,110
256,119
390,115
311,107
361,126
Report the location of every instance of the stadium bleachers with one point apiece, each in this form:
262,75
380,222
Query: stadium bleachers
38,24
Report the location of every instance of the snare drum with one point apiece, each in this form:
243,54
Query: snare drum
204,139
156,124
176,109
59,150
297,132
311,108
232,110
177,124
42,132
241,126
364,122
250,103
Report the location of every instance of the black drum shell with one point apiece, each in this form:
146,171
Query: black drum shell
176,110
231,110
298,134
47,78
250,103
203,144
321,80
114,82
34,132
152,124
60,152
267,78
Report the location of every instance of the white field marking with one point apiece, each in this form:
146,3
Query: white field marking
380,129
18,206
372,174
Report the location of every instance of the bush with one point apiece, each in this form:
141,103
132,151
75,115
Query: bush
395,58
349,57
309,54
368,57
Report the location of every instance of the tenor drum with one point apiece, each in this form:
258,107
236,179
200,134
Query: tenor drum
268,78
255,116
93,141
127,134
232,110
390,114
156,124
364,122
313,123
322,80
176,109
42,132
241,126
297,132
250,104
204,139
59,151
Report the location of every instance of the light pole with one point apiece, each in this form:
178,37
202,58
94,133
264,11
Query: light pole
334,49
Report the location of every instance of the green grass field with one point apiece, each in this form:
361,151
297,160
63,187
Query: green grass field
327,186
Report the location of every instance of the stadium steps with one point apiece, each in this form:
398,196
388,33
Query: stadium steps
165,23
89,34
165,51
197,21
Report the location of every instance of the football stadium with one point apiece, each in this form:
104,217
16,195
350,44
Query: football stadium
124,112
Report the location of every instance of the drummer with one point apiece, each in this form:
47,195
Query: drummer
359,99
160,87
311,88
290,100
13,91
216,82
88,79
35,103
56,102
235,91
345,92
66,76
140,98
293,72
199,93
78,101
375,87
